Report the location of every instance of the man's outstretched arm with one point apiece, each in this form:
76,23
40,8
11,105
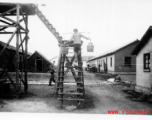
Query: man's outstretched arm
85,37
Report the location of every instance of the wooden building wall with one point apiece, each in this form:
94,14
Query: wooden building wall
34,63
4,60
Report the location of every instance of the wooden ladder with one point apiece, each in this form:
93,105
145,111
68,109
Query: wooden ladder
79,91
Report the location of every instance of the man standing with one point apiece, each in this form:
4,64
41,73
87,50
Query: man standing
76,38
52,71
99,68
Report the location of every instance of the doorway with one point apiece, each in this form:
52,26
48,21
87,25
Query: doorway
39,65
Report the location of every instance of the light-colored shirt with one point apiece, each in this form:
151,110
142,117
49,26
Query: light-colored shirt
76,38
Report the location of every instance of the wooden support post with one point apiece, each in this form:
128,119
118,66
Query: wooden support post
25,61
17,51
58,74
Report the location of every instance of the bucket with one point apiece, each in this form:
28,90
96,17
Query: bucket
90,47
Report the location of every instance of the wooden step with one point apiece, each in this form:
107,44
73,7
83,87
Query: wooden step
78,71
69,82
70,99
74,67
70,93
70,52
75,87
73,77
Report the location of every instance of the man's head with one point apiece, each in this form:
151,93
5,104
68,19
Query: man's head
75,30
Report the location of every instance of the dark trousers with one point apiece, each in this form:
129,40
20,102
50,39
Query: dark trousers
51,79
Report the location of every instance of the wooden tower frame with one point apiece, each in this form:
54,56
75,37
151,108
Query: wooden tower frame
21,44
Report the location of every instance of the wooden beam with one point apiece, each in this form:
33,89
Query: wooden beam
17,51
5,22
25,61
14,22
23,16
58,74
2,14
9,19
7,26
10,24
8,42
11,32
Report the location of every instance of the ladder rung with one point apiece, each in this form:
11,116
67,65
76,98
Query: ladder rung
78,77
70,93
75,71
76,87
78,71
61,76
70,99
70,56
74,67
74,77
70,52
68,82
70,47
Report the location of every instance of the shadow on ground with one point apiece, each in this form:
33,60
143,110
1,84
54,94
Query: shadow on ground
137,97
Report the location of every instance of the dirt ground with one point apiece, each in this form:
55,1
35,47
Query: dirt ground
100,97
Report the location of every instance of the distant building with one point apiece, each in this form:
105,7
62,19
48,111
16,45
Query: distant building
38,63
10,51
118,61
85,59
144,63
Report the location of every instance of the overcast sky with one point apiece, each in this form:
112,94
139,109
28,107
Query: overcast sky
111,23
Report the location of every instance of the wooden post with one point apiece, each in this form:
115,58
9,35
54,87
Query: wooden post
26,50
17,51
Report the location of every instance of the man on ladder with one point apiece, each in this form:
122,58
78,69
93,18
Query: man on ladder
76,38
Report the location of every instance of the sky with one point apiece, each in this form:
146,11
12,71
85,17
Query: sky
109,23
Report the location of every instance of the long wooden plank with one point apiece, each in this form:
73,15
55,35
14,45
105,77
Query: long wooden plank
5,22
17,50
25,56
11,32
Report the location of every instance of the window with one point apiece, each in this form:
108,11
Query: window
111,61
127,61
146,62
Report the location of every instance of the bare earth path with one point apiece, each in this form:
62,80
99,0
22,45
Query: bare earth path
100,97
